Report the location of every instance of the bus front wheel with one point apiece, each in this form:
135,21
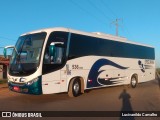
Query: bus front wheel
133,81
74,88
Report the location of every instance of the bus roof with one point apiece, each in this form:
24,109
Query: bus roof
92,34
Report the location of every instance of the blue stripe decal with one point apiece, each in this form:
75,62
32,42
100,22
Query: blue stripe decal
94,72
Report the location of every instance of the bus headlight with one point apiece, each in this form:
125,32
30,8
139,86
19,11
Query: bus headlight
9,78
32,81
8,81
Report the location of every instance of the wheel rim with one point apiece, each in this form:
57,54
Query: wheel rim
76,87
133,81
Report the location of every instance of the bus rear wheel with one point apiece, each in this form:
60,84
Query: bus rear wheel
74,88
133,81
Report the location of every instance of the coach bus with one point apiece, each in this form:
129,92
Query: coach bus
56,60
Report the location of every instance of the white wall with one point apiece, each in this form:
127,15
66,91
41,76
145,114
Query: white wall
1,73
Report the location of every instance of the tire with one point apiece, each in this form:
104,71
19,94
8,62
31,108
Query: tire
133,81
74,88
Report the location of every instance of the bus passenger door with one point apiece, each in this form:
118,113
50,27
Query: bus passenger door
63,80
51,82
53,62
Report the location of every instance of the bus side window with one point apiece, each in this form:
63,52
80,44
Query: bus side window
55,52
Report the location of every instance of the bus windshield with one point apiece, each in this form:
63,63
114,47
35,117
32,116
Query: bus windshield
26,60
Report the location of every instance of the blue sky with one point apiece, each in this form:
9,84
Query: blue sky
140,20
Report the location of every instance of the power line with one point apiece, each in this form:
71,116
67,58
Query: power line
6,38
90,13
5,41
93,5
113,13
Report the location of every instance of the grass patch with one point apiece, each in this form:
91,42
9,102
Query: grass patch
158,70
2,81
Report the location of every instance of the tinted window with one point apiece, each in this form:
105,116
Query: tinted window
81,45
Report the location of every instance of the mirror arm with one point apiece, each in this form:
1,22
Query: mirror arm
54,43
59,43
13,48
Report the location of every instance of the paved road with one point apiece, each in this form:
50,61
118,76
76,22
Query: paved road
146,97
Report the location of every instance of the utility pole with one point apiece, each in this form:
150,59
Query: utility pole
117,25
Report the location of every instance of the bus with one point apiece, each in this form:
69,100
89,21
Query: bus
56,60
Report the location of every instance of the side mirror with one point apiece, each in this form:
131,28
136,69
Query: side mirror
52,49
5,52
56,52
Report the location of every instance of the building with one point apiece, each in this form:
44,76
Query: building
4,62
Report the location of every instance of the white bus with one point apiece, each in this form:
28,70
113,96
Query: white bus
58,60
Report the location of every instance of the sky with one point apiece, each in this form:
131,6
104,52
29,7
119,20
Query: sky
139,20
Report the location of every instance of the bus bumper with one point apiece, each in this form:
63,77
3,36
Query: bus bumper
34,88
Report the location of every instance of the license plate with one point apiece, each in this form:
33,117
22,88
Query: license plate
15,88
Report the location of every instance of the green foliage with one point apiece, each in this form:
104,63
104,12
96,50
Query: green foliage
3,81
158,70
